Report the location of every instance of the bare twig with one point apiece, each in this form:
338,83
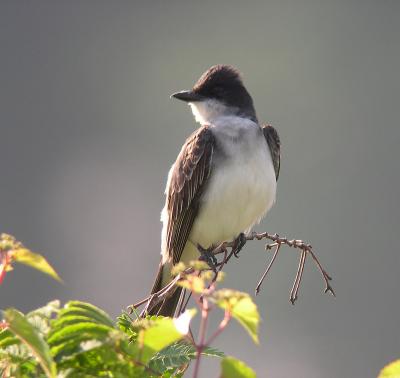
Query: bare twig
203,304
277,242
306,249
268,268
221,327
299,275
156,298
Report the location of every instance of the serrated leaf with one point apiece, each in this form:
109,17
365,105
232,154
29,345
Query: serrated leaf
41,317
124,323
89,310
178,354
7,338
21,327
34,260
68,348
242,308
15,366
87,330
104,360
46,311
234,368
78,322
391,371
68,320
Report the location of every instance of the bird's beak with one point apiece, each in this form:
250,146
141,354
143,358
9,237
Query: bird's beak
187,96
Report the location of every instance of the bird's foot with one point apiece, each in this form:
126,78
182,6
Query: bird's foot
207,256
239,243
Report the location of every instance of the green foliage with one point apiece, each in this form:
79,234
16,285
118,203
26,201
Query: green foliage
233,368
125,324
19,325
177,355
154,335
391,371
12,250
36,261
80,340
242,308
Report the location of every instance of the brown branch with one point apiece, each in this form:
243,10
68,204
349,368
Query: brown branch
154,299
306,249
268,268
299,275
277,241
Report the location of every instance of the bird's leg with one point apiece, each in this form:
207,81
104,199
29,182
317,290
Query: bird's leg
239,243
207,255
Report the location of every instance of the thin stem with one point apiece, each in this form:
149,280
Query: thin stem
202,335
326,276
154,299
299,275
221,327
268,268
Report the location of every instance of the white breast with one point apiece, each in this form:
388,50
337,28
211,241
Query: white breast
242,185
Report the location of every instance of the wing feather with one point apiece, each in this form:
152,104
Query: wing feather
274,144
189,177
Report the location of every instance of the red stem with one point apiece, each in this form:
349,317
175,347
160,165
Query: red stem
221,327
202,335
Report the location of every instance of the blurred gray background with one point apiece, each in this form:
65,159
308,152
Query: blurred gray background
88,133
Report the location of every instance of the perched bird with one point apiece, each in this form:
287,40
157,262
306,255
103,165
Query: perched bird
223,181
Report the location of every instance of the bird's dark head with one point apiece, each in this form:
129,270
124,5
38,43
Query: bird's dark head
219,92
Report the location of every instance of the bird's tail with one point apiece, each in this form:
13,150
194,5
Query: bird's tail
168,306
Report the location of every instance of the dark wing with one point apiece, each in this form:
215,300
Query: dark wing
187,181
274,143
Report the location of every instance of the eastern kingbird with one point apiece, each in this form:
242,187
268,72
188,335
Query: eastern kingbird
223,181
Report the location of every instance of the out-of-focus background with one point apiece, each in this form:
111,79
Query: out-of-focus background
88,133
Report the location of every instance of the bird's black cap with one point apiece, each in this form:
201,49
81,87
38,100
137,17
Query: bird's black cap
223,83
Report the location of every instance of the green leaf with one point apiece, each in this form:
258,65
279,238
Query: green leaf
156,334
242,308
162,333
87,330
78,323
7,338
46,311
21,327
34,260
233,368
106,358
12,365
172,374
391,371
178,354
246,313
89,310
41,317
68,320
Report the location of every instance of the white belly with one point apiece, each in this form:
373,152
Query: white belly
240,191
239,194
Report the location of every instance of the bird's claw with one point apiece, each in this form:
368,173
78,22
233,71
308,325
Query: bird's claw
208,257
240,242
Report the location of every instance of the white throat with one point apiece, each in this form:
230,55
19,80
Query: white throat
208,111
